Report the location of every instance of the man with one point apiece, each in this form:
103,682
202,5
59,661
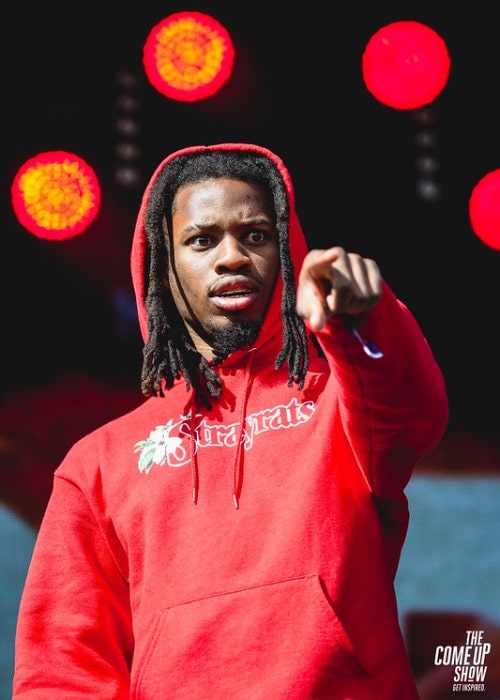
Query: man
238,534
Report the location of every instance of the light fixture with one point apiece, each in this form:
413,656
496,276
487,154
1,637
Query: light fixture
188,56
56,195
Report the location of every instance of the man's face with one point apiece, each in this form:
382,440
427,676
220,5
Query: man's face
224,257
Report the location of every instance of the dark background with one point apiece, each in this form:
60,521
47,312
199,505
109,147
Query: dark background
296,88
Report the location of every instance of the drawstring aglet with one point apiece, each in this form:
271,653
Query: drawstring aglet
235,501
195,495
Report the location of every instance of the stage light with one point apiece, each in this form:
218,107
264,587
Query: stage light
484,209
188,56
129,131
56,195
405,65
427,161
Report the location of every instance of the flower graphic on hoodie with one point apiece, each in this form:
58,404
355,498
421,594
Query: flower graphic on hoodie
158,447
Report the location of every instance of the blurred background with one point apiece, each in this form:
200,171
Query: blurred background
391,183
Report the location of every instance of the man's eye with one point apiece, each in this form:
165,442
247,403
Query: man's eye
257,236
200,241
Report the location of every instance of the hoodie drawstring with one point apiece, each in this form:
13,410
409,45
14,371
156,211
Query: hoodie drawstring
190,414
236,472
236,485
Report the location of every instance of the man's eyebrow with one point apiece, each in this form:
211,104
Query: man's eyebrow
197,227
251,221
261,220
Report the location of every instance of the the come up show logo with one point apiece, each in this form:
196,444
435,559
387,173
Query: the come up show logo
469,661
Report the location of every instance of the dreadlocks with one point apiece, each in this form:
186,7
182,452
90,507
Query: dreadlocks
169,351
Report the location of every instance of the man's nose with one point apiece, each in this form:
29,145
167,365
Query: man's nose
231,254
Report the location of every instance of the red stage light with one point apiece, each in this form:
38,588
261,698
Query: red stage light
484,209
188,56
55,195
405,65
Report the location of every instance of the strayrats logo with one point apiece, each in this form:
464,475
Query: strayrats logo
470,661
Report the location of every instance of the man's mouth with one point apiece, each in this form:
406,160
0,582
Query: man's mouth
236,291
234,295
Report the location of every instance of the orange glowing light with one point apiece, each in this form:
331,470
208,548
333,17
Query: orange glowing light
405,65
56,195
188,56
484,209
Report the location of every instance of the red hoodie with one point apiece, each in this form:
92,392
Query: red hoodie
136,591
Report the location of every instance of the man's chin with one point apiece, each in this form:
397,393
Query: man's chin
233,335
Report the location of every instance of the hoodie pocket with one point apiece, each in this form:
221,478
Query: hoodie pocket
280,641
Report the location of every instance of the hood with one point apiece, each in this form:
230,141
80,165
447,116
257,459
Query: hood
139,256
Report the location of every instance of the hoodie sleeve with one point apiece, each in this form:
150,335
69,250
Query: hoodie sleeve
394,409
74,636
